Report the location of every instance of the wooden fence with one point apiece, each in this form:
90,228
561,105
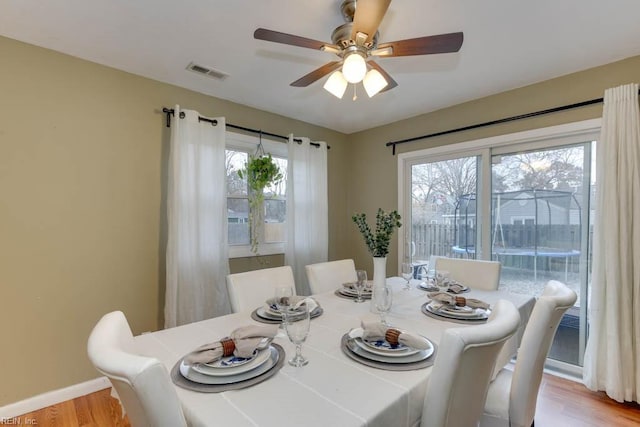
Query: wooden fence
439,239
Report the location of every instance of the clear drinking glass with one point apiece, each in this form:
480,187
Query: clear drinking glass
442,280
283,297
360,284
407,274
297,327
382,299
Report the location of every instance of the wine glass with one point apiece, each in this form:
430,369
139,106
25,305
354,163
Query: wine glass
297,327
442,280
282,300
360,283
407,274
382,299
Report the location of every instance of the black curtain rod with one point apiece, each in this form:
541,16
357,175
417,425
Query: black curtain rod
171,112
499,121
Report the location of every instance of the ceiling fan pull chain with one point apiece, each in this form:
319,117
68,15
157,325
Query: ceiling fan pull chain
355,94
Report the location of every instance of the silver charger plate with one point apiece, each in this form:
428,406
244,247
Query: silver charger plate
431,288
351,350
278,355
262,316
348,295
426,309
194,375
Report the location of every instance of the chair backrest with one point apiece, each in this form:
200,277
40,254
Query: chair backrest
251,289
476,274
466,357
143,384
329,276
556,299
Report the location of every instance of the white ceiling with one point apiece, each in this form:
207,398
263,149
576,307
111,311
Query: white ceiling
507,44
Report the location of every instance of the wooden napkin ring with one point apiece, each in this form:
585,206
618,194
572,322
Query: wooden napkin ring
392,336
228,346
461,301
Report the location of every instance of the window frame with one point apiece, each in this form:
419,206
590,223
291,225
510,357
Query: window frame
531,140
249,144
484,148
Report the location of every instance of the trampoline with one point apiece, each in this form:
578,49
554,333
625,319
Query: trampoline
529,224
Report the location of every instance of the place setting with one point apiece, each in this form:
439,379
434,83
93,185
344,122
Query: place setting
456,308
358,291
275,310
246,357
381,346
441,282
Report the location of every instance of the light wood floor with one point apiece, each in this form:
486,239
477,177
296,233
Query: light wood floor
560,403
97,409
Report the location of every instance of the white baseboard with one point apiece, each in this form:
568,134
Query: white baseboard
53,397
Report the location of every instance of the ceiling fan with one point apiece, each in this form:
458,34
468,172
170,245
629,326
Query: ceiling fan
355,42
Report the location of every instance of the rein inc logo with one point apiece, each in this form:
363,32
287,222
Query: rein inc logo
17,421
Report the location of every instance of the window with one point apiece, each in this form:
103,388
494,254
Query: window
523,199
238,149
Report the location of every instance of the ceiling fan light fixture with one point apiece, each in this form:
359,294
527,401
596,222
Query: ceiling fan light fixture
374,82
336,84
354,68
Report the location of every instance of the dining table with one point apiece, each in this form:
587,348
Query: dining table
333,389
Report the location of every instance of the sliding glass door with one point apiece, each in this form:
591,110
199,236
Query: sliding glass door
525,202
540,228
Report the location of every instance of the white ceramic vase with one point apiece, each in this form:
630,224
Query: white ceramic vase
379,278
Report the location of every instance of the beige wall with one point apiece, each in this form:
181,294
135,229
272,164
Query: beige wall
374,179
83,152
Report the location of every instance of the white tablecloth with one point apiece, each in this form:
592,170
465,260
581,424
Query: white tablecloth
332,389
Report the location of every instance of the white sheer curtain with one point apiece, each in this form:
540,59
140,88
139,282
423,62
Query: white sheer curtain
307,211
612,358
197,260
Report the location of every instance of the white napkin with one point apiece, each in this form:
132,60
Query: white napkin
245,338
296,302
446,298
377,330
367,286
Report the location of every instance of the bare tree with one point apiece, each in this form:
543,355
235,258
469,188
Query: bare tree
558,169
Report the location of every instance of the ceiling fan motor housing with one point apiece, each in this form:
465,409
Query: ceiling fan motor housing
341,36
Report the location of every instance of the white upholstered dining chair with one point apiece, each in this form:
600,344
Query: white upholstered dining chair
473,273
329,276
251,289
143,384
511,400
466,357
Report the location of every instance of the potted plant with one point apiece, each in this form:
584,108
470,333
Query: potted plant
260,172
378,242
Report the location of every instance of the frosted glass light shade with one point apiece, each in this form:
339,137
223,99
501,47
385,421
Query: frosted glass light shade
374,82
354,68
336,84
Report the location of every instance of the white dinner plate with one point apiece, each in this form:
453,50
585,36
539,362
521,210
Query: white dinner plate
445,311
405,351
428,287
266,313
360,350
352,293
383,345
212,370
190,373
351,286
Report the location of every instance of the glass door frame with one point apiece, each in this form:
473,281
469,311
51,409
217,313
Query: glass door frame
548,137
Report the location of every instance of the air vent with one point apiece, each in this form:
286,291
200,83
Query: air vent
207,71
